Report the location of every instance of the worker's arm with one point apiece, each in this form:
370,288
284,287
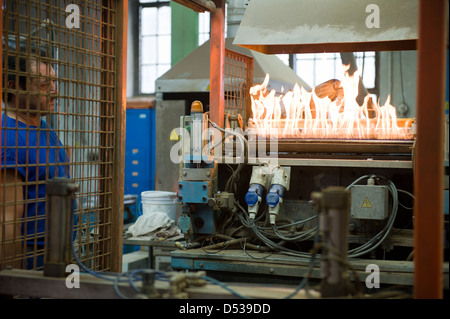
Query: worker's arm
11,214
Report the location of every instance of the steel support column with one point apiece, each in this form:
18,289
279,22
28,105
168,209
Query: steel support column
429,165
217,64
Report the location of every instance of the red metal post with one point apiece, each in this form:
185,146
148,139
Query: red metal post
429,167
1,79
217,63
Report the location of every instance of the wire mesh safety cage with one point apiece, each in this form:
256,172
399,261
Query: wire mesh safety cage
238,73
60,118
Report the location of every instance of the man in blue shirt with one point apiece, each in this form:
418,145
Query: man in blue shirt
31,153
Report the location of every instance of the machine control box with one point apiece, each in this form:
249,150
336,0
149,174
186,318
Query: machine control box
369,202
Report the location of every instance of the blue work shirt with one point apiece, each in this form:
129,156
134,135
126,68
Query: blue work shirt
38,155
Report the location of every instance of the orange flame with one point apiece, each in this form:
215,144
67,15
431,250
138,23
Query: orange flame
302,114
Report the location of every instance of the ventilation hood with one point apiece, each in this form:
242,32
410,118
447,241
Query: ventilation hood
192,73
317,26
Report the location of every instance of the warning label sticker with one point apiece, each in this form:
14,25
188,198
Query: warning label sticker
366,203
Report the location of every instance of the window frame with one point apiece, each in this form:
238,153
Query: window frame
142,5
203,36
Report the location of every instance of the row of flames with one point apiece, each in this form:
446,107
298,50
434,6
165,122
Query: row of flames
303,114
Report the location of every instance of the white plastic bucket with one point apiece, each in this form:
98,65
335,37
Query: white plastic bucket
159,201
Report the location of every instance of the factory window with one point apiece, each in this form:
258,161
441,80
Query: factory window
155,41
315,69
318,68
204,29
155,45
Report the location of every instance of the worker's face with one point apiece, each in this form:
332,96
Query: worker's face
41,93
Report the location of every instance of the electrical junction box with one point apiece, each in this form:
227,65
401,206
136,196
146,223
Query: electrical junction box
369,202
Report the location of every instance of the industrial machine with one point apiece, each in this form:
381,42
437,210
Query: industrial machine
274,203
300,189
309,185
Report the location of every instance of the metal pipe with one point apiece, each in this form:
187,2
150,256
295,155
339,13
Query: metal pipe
429,161
148,284
60,199
333,229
